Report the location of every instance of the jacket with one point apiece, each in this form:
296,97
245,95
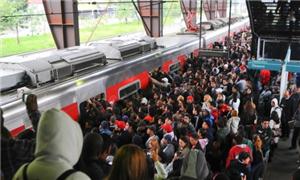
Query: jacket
58,147
233,124
296,117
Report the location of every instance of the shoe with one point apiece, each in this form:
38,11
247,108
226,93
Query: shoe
291,148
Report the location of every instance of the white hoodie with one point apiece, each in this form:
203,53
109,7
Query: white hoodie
278,110
58,147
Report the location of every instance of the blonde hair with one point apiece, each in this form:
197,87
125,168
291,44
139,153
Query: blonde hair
207,98
234,113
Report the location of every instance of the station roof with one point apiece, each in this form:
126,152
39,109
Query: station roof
275,19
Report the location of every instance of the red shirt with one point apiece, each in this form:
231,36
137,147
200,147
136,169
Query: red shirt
235,151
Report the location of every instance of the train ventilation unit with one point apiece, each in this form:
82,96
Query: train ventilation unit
32,70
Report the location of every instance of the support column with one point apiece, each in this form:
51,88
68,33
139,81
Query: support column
189,12
62,16
210,9
222,8
151,14
284,73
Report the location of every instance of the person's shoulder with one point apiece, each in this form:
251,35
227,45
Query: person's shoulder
78,176
19,173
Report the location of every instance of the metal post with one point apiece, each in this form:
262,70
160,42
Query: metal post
200,26
151,19
263,53
161,7
258,49
228,36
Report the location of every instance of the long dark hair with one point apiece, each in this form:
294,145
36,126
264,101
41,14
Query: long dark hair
130,163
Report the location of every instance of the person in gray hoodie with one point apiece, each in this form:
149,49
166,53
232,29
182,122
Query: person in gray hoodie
58,147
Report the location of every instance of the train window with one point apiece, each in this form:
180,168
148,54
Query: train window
174,67
129,89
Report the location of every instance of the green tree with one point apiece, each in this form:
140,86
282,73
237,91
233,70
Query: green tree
10,15
124,10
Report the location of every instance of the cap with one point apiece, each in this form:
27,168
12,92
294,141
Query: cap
104,125
148,118
168,138
165,80
125,118
167,127
219,90
190,98
120,124
144,100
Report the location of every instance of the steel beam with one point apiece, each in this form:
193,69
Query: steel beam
189,12
210,8
151,13
215,8
62,16
222,8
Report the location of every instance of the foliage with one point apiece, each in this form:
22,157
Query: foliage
8,46
9,10
125,10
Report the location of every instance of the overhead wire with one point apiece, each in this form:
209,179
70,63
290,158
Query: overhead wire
78,12
94,29
165,20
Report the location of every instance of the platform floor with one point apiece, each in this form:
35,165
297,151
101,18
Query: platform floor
284,162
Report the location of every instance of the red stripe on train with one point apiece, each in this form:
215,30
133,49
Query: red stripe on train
196,53
72,110
16,131
112,92
182,59
166,66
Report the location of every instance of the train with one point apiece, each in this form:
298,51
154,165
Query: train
115,69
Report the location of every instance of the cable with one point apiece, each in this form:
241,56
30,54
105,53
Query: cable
88,40
124,2
165,20
81,12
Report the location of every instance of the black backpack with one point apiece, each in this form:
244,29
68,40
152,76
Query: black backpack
275,116
63,176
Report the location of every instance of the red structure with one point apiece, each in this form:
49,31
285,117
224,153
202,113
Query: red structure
189,12
62,16
151,12
215,8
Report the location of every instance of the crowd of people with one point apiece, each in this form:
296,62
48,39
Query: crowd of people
213,119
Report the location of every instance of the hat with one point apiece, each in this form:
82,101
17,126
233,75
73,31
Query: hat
152,127
120,124
148,118
225,66
190,98
125,118
168,138
144,101
167,127
219,90
165,80
104,125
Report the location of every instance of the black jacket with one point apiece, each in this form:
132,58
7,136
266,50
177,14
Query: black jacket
236,170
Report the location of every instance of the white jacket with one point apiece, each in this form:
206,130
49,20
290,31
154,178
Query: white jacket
233,124
58,147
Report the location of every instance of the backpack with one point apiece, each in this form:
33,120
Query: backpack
188,169
194,166
63,176
275,116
